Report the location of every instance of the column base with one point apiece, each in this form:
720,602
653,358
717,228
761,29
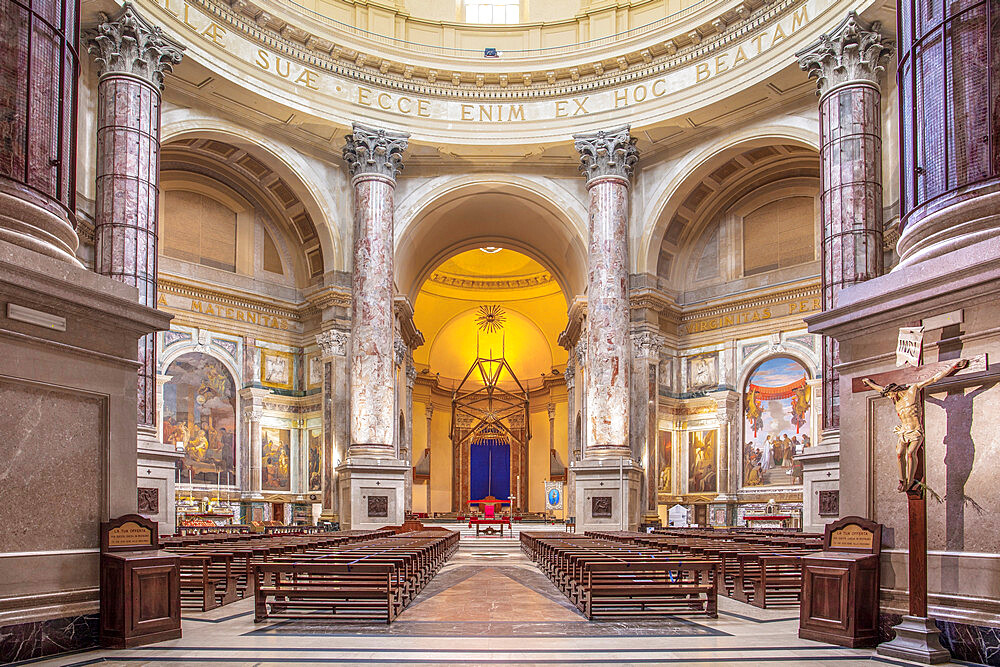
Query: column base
156,472
371,492
917,640
598,489
820,473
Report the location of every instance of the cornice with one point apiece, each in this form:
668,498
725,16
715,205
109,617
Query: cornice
574,327
756,300
517,282
329,296
523,81
227,298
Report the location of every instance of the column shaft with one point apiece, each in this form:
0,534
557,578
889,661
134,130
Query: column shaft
847,63
608,320
133,56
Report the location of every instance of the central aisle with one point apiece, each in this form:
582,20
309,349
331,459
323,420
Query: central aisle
491,606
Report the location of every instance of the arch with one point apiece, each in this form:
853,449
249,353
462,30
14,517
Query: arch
312,187
430,229
668,193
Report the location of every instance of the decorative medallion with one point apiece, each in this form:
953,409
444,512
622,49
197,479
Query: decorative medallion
491,318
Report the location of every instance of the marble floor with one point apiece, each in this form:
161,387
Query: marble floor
490,606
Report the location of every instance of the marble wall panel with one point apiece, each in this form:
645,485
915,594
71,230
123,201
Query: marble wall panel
60,481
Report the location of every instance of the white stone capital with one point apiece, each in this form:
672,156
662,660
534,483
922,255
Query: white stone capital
607,153
853,52
129,44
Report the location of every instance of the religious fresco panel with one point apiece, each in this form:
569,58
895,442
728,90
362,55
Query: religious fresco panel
275,466
664,459
315,459
199,413
776,418
701,462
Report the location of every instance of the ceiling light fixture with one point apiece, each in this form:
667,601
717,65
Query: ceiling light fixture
491,249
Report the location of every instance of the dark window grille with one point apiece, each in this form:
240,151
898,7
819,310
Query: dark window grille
39,67
948,77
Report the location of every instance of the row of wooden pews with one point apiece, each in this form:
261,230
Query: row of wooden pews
372,580
606,578
217,568
758,568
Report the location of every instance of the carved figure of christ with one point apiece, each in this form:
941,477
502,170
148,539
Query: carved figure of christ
908,401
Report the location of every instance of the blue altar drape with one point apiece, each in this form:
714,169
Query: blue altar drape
489,469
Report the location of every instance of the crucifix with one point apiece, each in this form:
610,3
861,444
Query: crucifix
905,388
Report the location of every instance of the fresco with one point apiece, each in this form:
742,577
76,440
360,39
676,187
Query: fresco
199,415
315,459
664,459
701,462
776,407
275,466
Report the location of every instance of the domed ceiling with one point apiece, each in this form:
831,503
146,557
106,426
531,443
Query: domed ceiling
448,311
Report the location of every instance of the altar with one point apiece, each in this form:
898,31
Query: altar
768,520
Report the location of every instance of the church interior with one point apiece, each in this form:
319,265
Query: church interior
499,332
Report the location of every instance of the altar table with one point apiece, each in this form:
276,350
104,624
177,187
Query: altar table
489,523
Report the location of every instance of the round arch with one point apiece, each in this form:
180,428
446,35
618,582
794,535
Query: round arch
449,215
668,194
302,177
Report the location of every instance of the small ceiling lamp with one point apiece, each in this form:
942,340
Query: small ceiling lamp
491,249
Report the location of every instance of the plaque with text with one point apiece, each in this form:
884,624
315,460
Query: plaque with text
130,532
853,534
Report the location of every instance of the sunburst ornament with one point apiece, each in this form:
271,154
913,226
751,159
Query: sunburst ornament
491,318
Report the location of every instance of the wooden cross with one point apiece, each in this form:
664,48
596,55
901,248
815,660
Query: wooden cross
905,388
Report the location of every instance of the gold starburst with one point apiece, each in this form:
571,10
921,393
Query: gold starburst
491,318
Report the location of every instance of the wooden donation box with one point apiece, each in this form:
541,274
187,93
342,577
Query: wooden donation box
840,585
140,585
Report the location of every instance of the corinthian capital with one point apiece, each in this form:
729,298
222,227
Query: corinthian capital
332,343
129,44
853,51
375,151
607,153
646,345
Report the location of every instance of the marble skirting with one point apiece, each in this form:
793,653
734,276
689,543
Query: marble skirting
28,641
968,643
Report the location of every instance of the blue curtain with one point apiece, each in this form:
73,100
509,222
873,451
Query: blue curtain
489,470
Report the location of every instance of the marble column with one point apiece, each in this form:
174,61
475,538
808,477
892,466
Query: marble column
429,414
374,157
847,63
571,452
372,478
333,345
608,481
645,386
38,86
132,55
252,450
607,159
411,378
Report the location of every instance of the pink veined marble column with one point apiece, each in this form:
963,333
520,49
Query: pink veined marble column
847,62
607,159
132,55
374,157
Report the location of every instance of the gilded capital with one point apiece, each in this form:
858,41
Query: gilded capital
607,153
375,151
852,52
129,44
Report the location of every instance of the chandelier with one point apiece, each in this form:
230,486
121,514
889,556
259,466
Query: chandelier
491,318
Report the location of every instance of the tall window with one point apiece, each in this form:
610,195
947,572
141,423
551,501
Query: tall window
492,11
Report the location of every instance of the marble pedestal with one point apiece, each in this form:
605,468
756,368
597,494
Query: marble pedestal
820,472
68,420
955,297
156,473
917,640
598,486
371,492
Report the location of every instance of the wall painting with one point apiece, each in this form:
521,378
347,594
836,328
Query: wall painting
701,462
776,419
275,469
199,415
